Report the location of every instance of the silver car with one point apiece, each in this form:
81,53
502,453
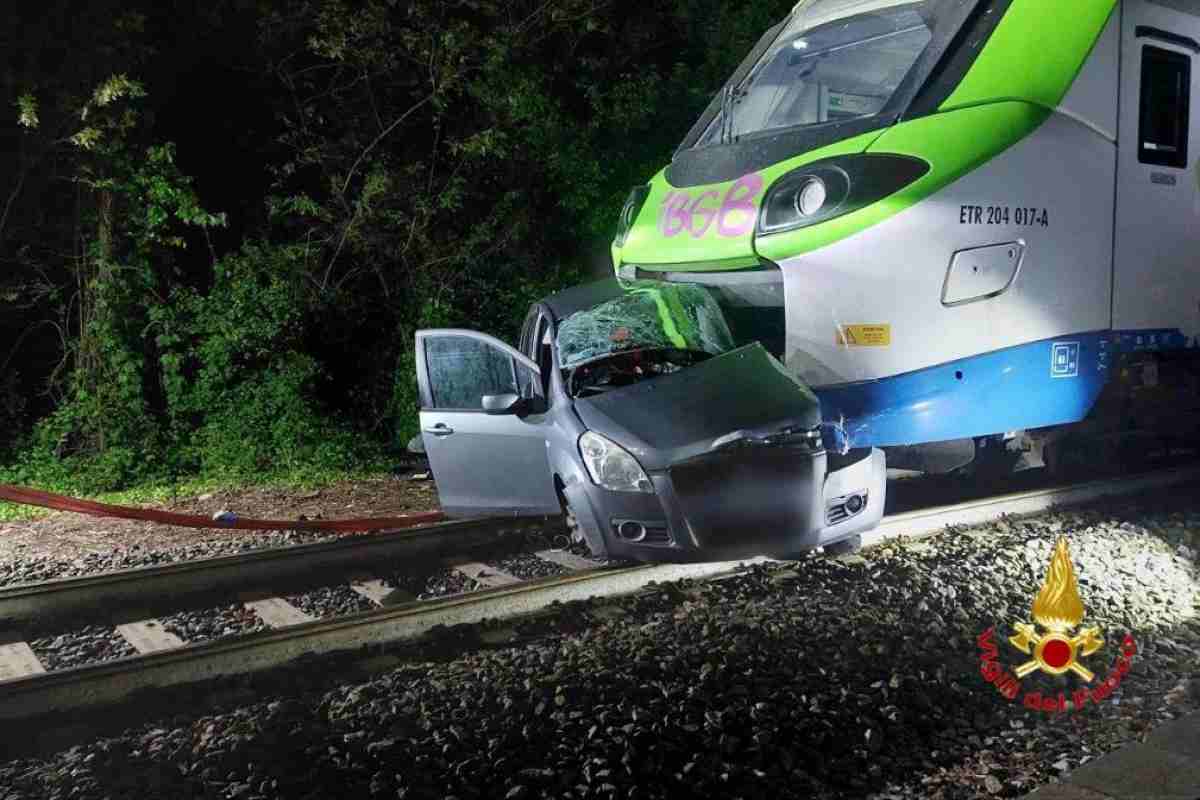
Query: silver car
652,414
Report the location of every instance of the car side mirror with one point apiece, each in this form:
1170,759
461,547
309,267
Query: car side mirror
501,403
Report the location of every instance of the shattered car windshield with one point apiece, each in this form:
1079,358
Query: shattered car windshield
833,60
656,317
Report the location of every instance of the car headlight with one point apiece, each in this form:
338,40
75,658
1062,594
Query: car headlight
629,212
611,466
834,187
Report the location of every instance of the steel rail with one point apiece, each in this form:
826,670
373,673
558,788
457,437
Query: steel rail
926,521
111,682
169,587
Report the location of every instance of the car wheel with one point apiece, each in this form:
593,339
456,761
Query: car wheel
851,544
572,525
575,536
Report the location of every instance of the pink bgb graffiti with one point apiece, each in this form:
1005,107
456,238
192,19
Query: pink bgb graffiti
734,214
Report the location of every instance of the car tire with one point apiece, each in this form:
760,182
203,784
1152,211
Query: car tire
851,544
575,532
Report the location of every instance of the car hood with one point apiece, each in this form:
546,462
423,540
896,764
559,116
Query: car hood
745,393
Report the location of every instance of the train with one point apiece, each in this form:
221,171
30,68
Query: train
972,221
970,229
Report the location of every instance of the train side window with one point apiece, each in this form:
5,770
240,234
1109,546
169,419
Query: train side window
1165,95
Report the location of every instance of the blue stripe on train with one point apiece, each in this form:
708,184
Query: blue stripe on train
1050,382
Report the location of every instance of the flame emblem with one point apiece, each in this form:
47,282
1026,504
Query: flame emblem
1059,609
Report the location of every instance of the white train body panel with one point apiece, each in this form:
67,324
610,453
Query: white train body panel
1156,282
998,301
899,267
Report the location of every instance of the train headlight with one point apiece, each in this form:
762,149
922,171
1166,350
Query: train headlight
811,197
834,187
633,206
612,466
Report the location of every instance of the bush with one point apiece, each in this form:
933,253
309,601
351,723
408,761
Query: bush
435,164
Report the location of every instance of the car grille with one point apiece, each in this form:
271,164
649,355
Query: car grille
657,534
654,532
749,497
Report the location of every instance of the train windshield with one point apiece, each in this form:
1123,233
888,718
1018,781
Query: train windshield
833,60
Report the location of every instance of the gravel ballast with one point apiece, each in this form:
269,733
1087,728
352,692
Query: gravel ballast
330,601
213,623
429,585
84,646
41,568
528,567
850,677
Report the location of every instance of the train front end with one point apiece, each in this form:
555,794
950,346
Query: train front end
919,183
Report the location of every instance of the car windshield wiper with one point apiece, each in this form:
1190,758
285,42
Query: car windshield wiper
681,356
584,387
589,389
654,355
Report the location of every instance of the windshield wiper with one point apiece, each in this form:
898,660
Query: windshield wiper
584,385
728,131
726,115
671,354
681,357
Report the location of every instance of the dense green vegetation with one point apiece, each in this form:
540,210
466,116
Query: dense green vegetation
221,223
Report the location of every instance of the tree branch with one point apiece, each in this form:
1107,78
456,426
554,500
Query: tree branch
380,138
11,199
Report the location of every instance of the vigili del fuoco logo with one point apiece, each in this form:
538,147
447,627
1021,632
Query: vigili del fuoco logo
1055,646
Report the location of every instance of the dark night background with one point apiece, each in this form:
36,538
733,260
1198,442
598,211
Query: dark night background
223,221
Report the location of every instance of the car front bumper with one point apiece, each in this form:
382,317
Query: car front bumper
776,501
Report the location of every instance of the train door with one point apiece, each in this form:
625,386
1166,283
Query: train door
1156,281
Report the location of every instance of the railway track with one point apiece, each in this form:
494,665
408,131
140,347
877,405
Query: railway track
189,584
130,598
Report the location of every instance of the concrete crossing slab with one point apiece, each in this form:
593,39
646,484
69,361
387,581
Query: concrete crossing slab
487,575
149,636
1066,791
1181,737
566,559
369,587
277,612
1164,767
17,660
1140,770
379,592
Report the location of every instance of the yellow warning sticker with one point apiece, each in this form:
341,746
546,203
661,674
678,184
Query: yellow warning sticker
865,335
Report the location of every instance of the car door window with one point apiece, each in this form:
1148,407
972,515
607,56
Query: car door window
463,369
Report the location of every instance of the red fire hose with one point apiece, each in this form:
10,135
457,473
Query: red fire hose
34,497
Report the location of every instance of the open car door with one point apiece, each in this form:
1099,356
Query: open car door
485,439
